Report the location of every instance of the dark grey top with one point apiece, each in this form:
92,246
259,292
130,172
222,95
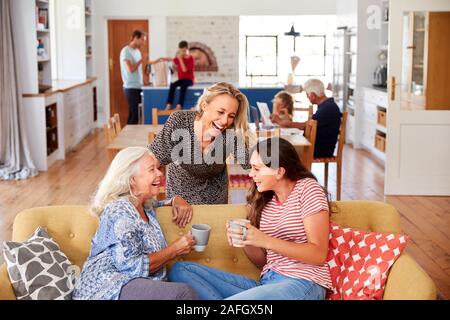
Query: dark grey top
198,178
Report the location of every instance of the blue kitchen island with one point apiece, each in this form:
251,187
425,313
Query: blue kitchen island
157,97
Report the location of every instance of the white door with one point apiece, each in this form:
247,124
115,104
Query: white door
418,139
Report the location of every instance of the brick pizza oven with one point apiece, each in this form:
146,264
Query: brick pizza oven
204,57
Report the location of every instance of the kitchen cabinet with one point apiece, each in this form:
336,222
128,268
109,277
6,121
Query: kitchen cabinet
374,105
56,121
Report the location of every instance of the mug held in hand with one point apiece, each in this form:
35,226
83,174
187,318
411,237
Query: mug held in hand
200,232
239,228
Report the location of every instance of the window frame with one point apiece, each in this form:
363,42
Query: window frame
324,36
276,55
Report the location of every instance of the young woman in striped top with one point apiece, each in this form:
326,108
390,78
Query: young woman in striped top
287,237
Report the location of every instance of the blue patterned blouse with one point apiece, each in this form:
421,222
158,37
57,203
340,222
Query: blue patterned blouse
119,252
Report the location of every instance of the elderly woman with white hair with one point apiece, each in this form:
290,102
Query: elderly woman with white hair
328,118
129,252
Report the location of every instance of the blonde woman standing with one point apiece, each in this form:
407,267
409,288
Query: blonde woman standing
195,145
129,252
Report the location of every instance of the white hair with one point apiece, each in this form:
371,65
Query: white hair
116,182
315,86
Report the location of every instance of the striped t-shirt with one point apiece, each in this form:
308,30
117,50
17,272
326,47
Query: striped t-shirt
285,221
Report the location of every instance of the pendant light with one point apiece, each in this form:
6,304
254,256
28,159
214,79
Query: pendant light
293,34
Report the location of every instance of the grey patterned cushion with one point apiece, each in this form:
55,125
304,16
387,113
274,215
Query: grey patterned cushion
38,269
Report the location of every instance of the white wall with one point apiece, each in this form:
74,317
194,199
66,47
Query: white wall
156,12
346,13
70,39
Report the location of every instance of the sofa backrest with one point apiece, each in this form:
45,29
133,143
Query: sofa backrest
373,216
218,253
367,215
72,227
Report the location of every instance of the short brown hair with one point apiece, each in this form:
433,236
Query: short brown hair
183,44
287,99
137,34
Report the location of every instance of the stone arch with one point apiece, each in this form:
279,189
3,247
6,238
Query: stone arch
205,59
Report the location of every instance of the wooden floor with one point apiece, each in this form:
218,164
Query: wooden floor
425,219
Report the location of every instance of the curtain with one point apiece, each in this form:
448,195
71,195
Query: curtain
15,159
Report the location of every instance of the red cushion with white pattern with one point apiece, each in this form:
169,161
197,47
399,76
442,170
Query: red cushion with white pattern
359,262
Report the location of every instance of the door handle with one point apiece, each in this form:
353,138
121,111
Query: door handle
111,63
393,88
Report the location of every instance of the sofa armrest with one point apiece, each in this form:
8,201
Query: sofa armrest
6,289
408,281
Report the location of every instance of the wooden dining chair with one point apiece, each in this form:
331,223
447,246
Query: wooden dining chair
306,109
307,154
114,122
238,178
268,133
157,112
162,190
110,132
336,159
151,136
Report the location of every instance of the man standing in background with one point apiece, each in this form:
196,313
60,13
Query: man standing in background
131,70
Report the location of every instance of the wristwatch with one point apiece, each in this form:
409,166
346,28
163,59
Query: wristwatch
168,202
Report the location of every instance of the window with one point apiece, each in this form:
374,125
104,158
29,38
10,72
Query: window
261,56
311,50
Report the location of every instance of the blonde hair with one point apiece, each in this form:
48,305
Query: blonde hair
287,99
116,182
240,124
315,86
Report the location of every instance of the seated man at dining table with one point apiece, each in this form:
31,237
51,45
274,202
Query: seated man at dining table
328,117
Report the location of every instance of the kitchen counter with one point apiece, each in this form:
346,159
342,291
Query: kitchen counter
60,86
379,89
156,97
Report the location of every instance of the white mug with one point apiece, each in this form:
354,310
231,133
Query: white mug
200,232
239,225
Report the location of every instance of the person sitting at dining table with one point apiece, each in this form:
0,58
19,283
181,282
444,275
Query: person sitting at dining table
195,145
328,117
129,252
283,105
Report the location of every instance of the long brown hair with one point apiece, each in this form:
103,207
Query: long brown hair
289,160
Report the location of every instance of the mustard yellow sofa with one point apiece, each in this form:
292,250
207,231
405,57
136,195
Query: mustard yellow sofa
73,227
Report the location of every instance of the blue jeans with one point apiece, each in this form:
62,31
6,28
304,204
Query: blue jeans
214,284
133,99
183,84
